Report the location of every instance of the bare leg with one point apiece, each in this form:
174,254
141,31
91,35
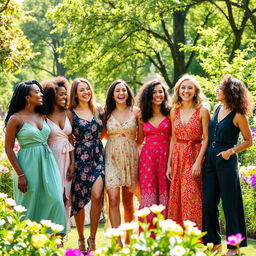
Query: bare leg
96,207
79,219
114,209
128,204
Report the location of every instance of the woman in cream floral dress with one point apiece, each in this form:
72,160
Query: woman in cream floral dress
121,152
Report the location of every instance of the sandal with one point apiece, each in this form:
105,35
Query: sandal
81,246
91,244
217,248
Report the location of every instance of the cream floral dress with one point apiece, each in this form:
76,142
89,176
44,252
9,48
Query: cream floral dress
121,154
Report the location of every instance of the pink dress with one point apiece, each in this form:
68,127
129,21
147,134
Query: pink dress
154,186
60,146
185,201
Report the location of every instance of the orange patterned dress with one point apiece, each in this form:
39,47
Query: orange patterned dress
185,200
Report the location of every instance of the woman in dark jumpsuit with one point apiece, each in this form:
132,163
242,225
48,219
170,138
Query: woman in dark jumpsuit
220,172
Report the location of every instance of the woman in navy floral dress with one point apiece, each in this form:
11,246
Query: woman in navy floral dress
89,160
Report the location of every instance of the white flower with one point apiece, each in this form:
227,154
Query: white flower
125,250
142,212
157,208
10,201
140,246
193,231
113,233
3,195
175,240
171,226
20,208
100,251
177,251
129,226
2,222
46,223
56,227
58,241
188,223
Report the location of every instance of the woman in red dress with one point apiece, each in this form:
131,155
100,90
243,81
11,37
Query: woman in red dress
187,148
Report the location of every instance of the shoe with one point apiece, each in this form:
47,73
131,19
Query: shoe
231,252
81,246
91,244
217,248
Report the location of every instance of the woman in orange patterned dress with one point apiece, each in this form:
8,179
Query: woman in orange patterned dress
187,148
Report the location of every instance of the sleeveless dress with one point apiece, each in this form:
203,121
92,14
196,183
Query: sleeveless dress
60,146
122,154
185,201
43,199
154,186
89,160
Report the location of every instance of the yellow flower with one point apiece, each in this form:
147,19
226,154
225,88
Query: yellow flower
9,237
193,231
209,245
3,195
157,208
38,240
113,233
143,212
33,226
171,226
188,223
58,241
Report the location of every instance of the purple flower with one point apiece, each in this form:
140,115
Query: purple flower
253,180
73,252
235,239
254,133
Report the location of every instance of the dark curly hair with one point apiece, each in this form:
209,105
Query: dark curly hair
18,100
50,88
110,101
237,96
145,100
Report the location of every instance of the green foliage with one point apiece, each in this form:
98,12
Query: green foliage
14,47
170,238
24,237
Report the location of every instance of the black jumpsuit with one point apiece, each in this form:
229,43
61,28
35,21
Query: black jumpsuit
221,180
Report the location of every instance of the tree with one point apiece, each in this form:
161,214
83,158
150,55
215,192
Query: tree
14,47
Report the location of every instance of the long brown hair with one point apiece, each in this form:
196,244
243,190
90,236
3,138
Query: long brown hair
74,100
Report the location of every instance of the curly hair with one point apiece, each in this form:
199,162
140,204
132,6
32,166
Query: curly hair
18,100
110,101
50,88
237,96
145,97
199,97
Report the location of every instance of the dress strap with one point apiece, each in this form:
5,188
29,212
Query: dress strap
19,116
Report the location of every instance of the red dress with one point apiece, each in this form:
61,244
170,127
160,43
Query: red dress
185,198
154,186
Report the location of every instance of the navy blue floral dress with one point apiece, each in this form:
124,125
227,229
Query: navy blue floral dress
89,160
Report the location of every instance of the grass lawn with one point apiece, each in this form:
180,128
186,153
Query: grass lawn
101,241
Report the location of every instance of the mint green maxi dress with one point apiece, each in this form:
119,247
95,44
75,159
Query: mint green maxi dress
43,199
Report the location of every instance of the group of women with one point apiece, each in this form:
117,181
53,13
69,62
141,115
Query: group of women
187,162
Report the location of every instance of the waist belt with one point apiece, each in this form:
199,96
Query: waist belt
215,144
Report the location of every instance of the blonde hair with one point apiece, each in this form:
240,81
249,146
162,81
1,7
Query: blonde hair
74,100
199,97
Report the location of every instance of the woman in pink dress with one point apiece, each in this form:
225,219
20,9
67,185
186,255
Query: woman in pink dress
154,186
58,119
188,145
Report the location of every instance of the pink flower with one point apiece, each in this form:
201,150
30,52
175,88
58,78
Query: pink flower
3,169
73,252
16,147
235,239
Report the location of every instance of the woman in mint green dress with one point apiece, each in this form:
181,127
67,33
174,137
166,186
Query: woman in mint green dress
37,184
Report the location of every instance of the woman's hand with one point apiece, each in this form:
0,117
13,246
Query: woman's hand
71,172
196,169
225,154
169,173
22,184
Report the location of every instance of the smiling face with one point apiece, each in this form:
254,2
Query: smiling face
187,90
220,96
83,92
61,97
158,95
35,96
120,93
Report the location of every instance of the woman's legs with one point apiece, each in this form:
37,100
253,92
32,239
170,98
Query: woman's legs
127,198
114,209
79,219
96,207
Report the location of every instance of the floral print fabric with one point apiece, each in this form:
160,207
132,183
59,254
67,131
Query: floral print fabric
89,160
185,201
122,155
